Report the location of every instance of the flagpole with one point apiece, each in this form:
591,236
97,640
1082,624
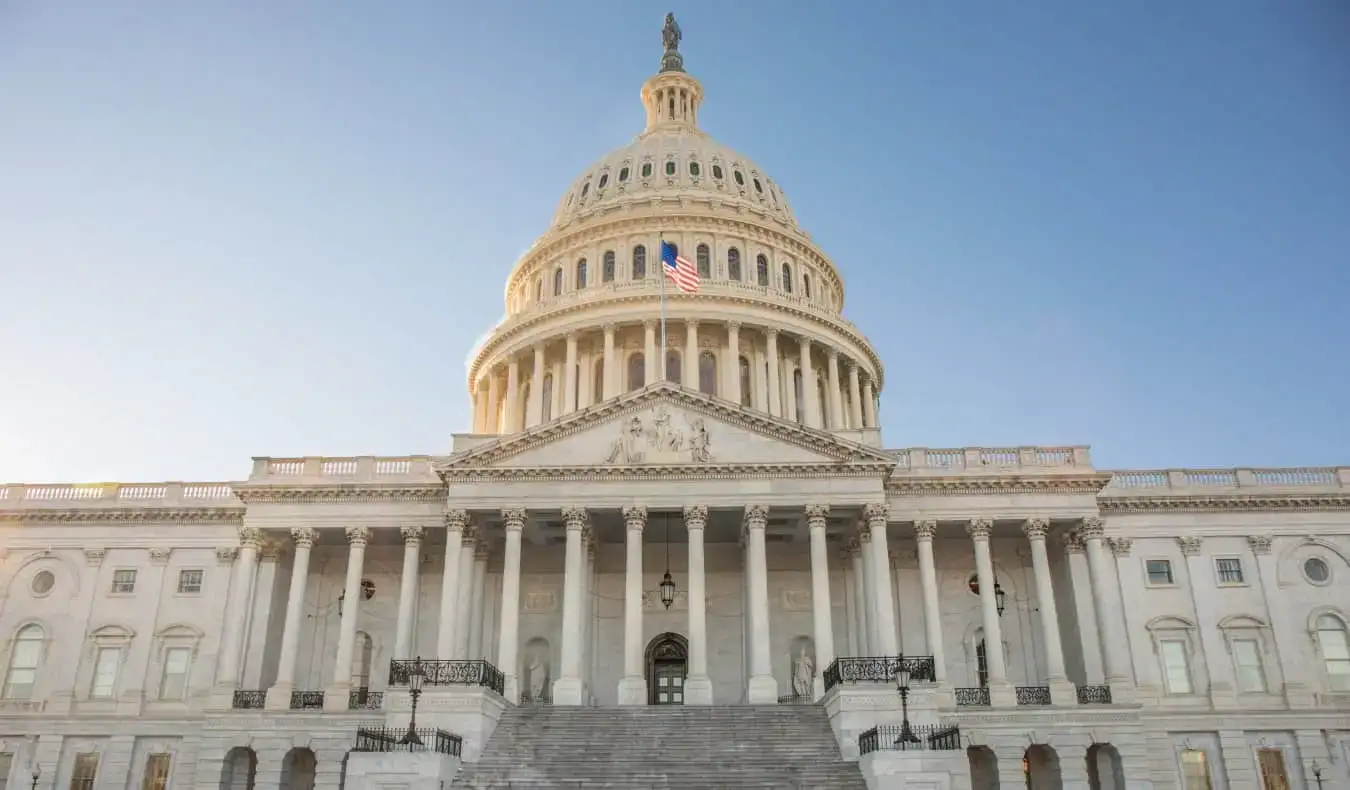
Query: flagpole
661,352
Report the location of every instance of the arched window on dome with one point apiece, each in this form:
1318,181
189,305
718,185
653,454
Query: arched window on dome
1334,645
745,381
704,259
523,407
673,366
24,659
539,289
557,281
806,285
797,390
734,264
546,398
639,263
637,372
607,270
604,179
822,403
646,169
787,278
762,270
670,165
707,373
598,385
623,174
694,169
581,273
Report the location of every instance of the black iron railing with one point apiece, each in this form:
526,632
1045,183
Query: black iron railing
977,697
795,699
924,737
449,673
306,700
1033,695
394,739
540,699
878,669
365,699
249,700
1094,695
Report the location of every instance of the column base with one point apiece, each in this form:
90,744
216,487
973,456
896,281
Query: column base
1002,695
1122,691
279,697
568,691
335,698
763,690
221,698
1299,695
633,691
1062,692
698,690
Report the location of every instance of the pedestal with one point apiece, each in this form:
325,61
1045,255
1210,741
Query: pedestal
568,691
1002,695
633,691
279,697
336,698
1062,692
698,690
763,690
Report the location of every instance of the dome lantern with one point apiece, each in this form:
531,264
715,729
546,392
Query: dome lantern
672,96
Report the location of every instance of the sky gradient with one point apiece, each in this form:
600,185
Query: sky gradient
235,229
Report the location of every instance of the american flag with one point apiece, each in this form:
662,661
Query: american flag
680,271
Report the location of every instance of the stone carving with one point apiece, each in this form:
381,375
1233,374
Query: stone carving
540,602
803,666
536,681
657,441
794,600
1190,546
671,59
94,557
1260,544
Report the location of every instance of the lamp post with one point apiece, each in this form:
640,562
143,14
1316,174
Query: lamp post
1317,774
415,678
37,772
907,735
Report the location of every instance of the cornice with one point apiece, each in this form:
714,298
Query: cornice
959,485
123,515
663,472
352,492
1226,503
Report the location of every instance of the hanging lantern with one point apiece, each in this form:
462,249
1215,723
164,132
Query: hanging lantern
667,590
999,597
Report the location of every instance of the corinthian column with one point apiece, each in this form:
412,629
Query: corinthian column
570,375
1062,692
633,686
733,364
698,686
464,579
407,591
609,387
816,516
775,381
514,412
1108,619
869,405
861,622
478,601
877,515
650,365
835,392
279,696
855,412
932,615
456,521
535,408
1000,691
763,689
336,696
513,521
567,689
810,390
232,639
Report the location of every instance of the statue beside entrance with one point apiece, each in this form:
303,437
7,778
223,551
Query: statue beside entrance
803,667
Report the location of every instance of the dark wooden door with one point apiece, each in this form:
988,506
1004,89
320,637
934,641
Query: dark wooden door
668,682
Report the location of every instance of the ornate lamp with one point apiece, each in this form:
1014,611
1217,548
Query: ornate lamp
37,773
416,674
1317,774
999,598
667,583
907,736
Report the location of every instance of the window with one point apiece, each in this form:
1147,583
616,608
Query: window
704,261
799,395
106,663
539,290
623,174
546,401
740,179
758,187
156,772
734,264
1229,570
639,263
762,269
607,270
604,179
1159,572
745,381
693,169
174,679
586,187
637,372
85,771
189,582
670,168
1247,664
673,366
124,582
557,281
1331,640
707,373
787,279
1270,762
646,169
717,172
581,273
1195,770
806,285
1176,667
43,582
23,662
1316,570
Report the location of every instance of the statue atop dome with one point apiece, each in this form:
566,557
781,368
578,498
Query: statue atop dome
672,60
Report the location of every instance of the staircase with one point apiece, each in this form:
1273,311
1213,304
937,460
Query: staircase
789,747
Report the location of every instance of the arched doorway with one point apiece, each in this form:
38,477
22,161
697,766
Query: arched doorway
239,770
667,666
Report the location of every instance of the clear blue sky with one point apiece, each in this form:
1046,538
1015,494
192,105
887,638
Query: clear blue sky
277,228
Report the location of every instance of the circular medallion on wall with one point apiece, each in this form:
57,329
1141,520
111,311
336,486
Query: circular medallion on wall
1316,570
43,582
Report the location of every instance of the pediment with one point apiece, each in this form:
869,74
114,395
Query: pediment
666,426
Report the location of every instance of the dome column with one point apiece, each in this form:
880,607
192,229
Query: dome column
650,365
490,423
607,373
689,370
775,379
854,397
733,363
869,405
535,408
810,392
513,405
570,375
835,392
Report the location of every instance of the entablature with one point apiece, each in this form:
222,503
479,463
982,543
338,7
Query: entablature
1272,489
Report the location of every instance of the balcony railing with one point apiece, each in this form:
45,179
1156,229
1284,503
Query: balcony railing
394,739
1033,695
928,737
249,700
449,673
977,697
878,669
1094,695
795,699
1135,482
306,700
365,699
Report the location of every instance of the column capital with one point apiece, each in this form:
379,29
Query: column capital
1093,527
756,516
804,341
635,517
832,353
695,517
456,520
851,548
225,554
733,326
771,333
160,555
925,529
575,518
691,323
649,323
610,328
864,538
250,538
979,528
816,516
1190,545
513,519
1120,546
1073,543
412,533
305,537
538,347
876,511
358,536
1035,527
1260,544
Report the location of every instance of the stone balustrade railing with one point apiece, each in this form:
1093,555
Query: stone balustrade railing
105,495
985,460
1133,482
355,469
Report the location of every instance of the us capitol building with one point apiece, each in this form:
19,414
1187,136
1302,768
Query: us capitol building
1074,627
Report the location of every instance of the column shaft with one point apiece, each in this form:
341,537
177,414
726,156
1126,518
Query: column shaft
535,408
689,370
877,516
335,698
932,614
995,663
567,689
733,365
507,645
633,686
407,592
464,580
570,376
869,605
492,424
650,358
854,398
763,689
775,382
869,405
232,640
810,392
478,601
698,686
816,516
1107,620
456,521
1035,529
279,696
608,379
513,405
835,392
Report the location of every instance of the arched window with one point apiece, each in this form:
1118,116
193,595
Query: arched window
707,373
745,381
704,260
734,264
797,390
557,281
822,403
523,407
23,662
787,279
673,366
546,399
762,269
637,372
581,273
806,285
607,274
1335,647
598,386
639,263
539,290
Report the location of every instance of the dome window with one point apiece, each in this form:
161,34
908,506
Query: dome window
646,169
704,258
717,172
623,175
740,179
557,281
581,273
637,371
670,168
694,169
787,279
539,290
607,268
586,187
639,263
762,270
734,264
759,187
707,373
604,179
806,285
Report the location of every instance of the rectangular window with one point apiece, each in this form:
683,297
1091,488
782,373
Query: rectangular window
1229,569
1251,678
124,582
1336,656
1159,572
1271,764
23,667
1176,667
156,772
1195,770
6,762
174,683
189,581
85,771
105,672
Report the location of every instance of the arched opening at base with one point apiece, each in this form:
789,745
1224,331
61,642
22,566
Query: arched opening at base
667,663
1104,769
